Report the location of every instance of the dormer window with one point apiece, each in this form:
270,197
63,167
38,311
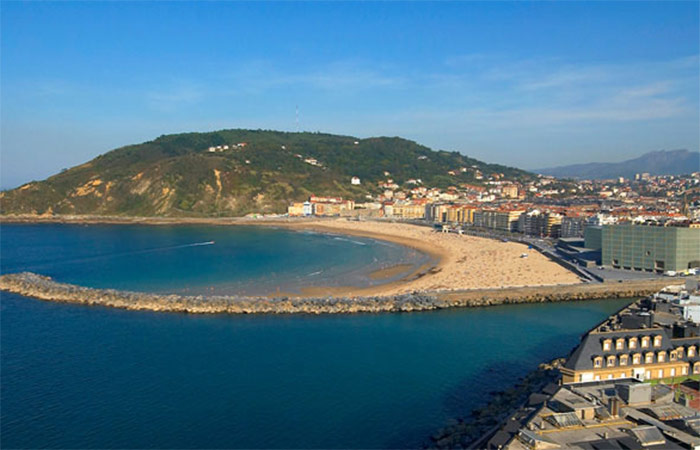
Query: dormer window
633,343
657,341
679,352
661,357
611,361
623,360
691,351
598,362
607,344
619,344
637,358
645,342
673,355
649,358
696,367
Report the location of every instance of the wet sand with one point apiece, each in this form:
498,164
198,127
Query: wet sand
390,272
460,262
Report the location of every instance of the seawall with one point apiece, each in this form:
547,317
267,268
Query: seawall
44,288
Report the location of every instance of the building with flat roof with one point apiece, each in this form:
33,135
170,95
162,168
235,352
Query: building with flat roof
650,248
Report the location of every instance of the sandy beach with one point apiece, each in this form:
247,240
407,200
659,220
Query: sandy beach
460,262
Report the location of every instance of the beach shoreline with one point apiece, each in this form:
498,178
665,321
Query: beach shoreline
458,263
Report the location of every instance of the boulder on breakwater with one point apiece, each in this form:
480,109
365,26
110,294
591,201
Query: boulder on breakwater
44,288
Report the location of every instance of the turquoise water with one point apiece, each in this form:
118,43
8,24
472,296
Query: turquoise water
202,259
90,377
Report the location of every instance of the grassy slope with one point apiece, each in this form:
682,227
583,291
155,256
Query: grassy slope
174,175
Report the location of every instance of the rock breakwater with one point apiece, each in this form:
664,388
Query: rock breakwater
44,288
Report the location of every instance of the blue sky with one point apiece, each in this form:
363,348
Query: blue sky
525,84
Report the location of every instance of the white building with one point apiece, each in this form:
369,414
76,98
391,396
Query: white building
308,208
355,181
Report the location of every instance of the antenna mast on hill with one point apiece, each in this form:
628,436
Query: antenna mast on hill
297,118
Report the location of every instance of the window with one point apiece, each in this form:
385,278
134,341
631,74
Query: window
657,341
633,343
661,357
637,358
611,361
691,351
623,375
679,352
645,342
607,344
598,362
661,373
673,356
619,344
684,370
623,360
696,367
649,358
673,372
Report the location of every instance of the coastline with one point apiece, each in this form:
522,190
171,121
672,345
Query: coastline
465,271
458,263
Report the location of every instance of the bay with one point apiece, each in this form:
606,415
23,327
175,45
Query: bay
90,377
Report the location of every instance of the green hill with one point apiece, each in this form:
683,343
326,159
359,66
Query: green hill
178,175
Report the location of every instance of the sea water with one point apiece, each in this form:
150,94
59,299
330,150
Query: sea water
76,376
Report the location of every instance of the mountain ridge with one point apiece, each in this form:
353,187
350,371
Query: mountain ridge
661,162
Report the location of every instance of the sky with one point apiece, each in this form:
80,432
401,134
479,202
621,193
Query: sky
527,84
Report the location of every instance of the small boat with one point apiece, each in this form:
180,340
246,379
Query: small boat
523,255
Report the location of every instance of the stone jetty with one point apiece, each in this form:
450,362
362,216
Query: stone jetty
44,288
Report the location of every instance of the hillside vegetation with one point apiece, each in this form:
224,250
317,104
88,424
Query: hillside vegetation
177,175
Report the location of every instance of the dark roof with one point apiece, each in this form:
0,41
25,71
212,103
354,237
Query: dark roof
551,389
537,399
592,345
499,439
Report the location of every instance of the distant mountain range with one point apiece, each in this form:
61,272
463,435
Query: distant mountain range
235,172
664,162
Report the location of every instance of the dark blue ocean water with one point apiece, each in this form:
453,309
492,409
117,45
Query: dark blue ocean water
91,377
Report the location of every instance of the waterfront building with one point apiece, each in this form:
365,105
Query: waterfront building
308,208
593,237
408,211
650,247
498,219
532,223
644,354
295,210
572,226
605,399
553,225
655,338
